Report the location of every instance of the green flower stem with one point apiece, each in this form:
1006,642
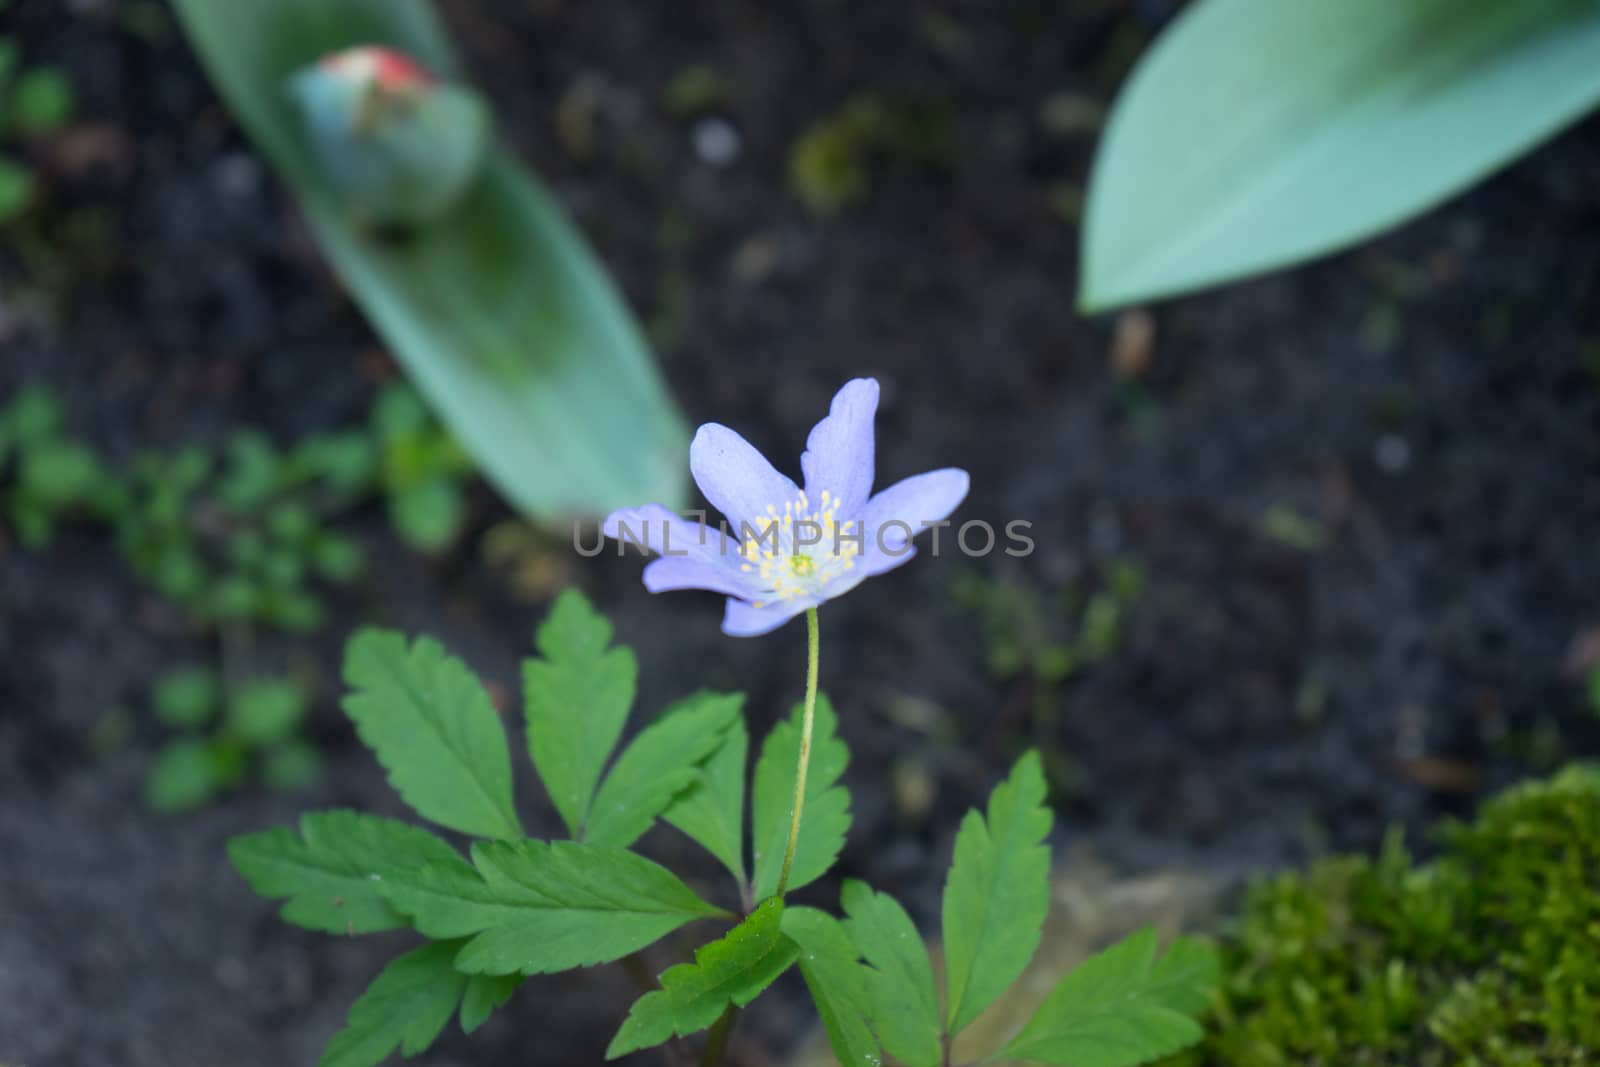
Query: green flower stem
814,640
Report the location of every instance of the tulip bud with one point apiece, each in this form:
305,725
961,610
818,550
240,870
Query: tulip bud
396,145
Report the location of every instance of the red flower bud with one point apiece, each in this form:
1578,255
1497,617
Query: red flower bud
390,71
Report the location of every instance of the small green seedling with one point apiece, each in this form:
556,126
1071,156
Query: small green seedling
243,539
53,477
33,101
224,736
423,471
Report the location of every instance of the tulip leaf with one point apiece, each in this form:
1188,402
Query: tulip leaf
1256,134
497,310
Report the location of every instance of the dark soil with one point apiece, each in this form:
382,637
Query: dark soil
1425,401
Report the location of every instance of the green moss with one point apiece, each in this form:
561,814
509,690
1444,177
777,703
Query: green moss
1485,957
830,164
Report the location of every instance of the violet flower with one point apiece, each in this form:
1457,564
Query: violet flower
783,549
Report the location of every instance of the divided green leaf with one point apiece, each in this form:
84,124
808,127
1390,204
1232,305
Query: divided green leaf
577,697
826,818
435,731
997,893
711,810
538,907
484,993
838,983
661,763
1122,1007
405,1007
903,1000
333,871
733,970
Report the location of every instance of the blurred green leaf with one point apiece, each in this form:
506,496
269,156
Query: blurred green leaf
59,473
293,765
346,461
499,312
41,100
283,568
34,413
265,710
186,696
33,524
397,411
427,516
247,548
16,188
183,777
291,523
233,597
1257,134
337,558
295,610
254,471
188,468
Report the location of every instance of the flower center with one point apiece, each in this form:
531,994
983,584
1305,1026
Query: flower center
797,552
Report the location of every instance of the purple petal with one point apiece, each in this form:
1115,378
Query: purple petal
660,531
665,575
839,451
876,561
746,620
893,516
735,478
